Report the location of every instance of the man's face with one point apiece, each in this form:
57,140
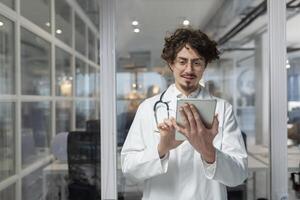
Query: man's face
188,68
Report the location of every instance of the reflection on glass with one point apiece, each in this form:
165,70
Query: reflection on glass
63,73
7,140
92,113
8,193
41,14
9,3
80,35
35,64
85,110
232,78
98,84
36,131
63,21
98,52
91,45
7,56
32,185
132,88
92,81
81,78
91,8
63,116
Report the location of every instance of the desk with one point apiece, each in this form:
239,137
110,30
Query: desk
261,153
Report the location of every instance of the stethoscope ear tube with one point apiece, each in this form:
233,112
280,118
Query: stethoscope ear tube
158,102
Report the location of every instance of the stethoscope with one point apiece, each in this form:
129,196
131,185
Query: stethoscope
160,101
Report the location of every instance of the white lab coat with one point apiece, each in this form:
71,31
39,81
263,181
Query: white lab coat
182,174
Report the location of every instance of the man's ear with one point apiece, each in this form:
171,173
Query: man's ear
170,66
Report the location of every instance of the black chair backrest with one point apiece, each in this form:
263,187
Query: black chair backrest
83,151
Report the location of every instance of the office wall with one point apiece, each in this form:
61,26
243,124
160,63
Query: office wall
49,77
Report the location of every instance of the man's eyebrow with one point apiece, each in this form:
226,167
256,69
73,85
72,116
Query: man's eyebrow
183,58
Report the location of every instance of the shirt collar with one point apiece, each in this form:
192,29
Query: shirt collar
173,93
194,94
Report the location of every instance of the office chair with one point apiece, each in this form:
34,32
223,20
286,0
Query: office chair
83,151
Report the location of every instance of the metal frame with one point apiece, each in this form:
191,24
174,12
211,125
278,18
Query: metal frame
278,100
108,101
276,13
17,98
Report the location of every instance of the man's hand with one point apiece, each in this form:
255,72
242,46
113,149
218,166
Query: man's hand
200,137
167,137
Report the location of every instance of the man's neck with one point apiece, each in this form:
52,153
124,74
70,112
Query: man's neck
187,91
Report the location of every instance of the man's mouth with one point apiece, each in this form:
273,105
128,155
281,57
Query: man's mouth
189,77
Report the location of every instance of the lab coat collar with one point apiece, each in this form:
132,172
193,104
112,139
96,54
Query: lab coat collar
173,93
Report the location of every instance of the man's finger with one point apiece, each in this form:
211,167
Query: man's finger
199,123
161,126
169,123
179,127
192,121
184,118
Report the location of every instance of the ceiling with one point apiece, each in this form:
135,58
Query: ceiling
156,18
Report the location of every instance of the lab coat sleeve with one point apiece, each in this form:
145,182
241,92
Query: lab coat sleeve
139,156
231,166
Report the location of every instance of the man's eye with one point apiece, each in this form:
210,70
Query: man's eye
182,62
198,63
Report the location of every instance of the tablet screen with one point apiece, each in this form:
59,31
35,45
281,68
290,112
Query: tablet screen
206,109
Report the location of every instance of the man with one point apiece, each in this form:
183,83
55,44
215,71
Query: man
202,166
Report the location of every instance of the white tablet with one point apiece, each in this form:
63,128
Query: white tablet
206,109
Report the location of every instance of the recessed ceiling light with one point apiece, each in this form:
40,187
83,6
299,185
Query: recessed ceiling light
288,66
136,30
1,23
186,22
135,23
48,24
58,31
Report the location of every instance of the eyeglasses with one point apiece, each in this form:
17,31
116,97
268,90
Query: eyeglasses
197,64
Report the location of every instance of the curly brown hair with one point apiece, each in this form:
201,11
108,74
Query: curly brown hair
198,40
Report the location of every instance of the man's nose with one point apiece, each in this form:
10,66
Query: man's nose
189,66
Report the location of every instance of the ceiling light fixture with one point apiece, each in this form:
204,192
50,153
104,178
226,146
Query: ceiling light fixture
136,30
48,24
58,31
135,23
1,23
186,22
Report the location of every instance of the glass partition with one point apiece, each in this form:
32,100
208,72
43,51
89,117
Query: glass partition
7,59
63,21
63,73
80,35
92,47
9,3
35,64
240,77
7,140
8,193
63,116
81,74
49,100
41,14
36,131
293,95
